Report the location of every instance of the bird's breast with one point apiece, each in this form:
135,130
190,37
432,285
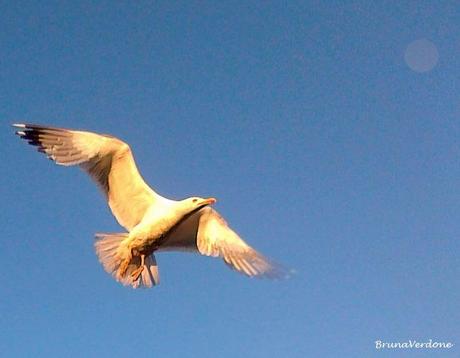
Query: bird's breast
148,233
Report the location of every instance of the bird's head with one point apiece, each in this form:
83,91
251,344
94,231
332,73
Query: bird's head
192,204
197,202
189,205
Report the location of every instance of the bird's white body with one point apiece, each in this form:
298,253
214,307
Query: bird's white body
157,222
154,223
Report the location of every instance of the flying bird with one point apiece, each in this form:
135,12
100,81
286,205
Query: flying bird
153,222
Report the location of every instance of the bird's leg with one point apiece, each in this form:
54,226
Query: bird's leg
124,266
137,272
122,269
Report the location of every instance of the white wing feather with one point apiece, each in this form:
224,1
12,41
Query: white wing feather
207,233
108,160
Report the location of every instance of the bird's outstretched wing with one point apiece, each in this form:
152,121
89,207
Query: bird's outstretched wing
207,233
108,160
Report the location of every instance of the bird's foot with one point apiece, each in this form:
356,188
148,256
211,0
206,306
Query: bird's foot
136,273
122,269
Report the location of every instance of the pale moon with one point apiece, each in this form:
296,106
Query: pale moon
421,55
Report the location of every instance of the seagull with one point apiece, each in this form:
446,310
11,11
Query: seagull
153,222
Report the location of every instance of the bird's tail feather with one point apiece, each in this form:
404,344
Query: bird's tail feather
111,256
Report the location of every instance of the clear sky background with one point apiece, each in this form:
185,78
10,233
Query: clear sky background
328,148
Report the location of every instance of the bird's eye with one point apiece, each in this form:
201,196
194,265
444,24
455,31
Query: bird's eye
195,200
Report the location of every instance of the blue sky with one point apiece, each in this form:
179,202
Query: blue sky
325,150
